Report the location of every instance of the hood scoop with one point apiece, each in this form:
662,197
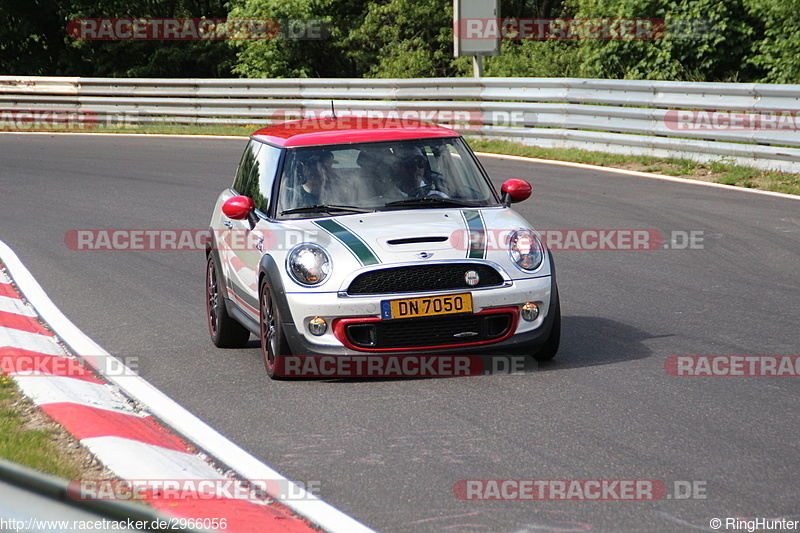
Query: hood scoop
417,240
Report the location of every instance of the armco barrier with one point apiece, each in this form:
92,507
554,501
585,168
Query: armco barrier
755,124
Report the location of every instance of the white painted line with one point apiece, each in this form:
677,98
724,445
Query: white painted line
17,306
176,416
152,462
43,389
639,174
25,340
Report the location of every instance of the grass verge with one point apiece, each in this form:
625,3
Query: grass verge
720,171
28,437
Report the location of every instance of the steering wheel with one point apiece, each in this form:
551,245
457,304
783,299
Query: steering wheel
427,191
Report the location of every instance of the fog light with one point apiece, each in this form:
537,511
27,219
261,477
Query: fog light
530,312
317,326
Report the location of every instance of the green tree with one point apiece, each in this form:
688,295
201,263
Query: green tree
705,40
406,39
777,53
34,40
298,58
153,58
414,38
729,40
534,58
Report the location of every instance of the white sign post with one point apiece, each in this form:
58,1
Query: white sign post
468,14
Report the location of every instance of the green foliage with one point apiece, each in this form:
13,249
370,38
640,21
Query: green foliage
34,40
536,59
736,175
170,59
298,58
406,39
706,40
777,53
32,447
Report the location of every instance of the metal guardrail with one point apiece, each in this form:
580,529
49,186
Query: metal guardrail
759,124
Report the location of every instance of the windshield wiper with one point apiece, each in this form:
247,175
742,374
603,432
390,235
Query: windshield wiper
321,208
429,200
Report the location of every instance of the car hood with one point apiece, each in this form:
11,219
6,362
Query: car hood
436,234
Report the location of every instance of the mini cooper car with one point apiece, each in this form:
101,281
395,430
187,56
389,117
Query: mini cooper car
384,237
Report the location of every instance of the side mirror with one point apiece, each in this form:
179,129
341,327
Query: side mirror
238,207
515,190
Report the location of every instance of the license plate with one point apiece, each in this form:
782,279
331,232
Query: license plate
427,306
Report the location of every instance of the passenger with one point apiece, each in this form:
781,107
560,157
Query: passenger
328,160
315,176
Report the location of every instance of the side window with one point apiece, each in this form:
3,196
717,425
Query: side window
246,166
265,168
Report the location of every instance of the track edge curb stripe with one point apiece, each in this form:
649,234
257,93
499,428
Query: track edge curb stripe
180,420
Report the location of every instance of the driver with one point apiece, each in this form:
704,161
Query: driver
414,177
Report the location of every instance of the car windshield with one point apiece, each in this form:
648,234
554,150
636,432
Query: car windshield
350,178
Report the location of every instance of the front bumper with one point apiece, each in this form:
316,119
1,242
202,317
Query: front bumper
341,311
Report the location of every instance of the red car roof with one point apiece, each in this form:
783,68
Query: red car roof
343,130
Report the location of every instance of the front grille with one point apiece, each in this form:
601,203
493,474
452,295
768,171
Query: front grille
433,331
423,278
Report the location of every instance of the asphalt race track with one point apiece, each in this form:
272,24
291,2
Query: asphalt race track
388,452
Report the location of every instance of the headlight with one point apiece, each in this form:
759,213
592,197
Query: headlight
308,264
525,249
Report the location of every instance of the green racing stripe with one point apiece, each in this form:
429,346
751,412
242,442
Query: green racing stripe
359,248
477,234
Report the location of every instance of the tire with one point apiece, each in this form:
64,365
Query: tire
549,348
225,331
273,341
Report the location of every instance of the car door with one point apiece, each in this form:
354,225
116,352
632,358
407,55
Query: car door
250,243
